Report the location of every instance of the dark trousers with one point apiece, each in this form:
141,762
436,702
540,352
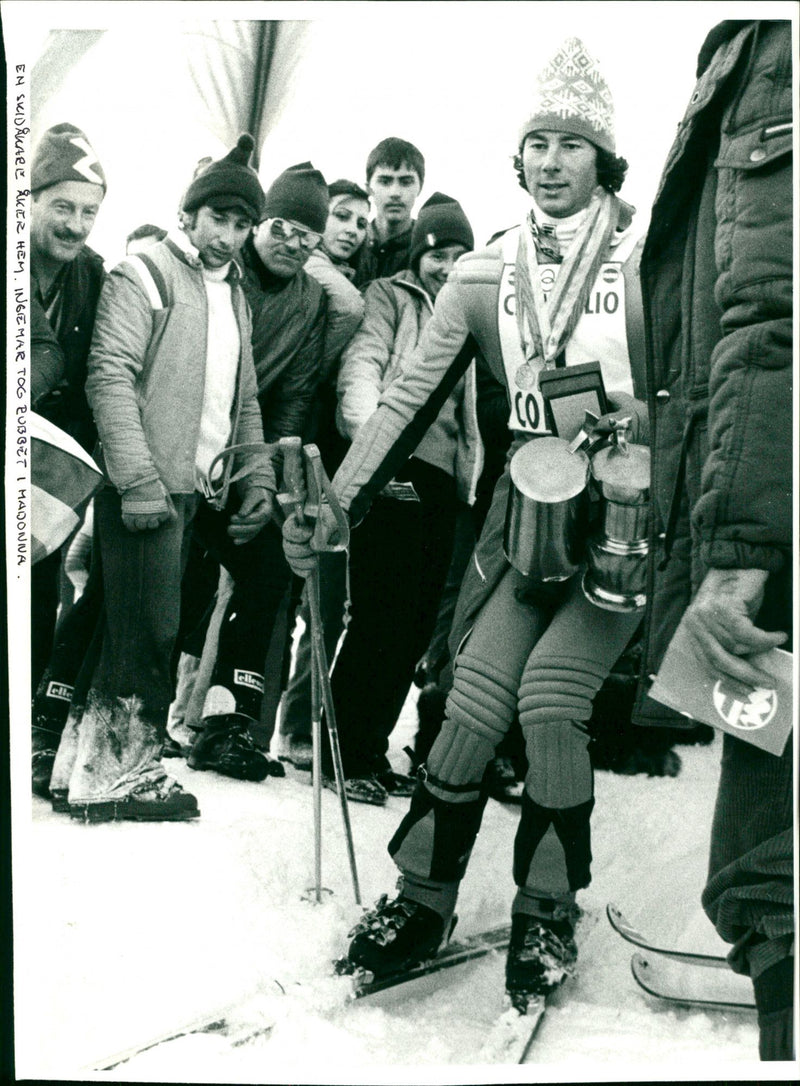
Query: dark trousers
399,558
44,605
261,577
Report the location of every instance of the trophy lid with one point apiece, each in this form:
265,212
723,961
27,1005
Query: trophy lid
545,470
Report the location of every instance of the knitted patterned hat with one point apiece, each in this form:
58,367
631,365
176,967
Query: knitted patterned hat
300,194
228,183
441,221
64,154
572,96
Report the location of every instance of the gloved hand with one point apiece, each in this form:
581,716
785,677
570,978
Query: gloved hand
297,540
624,406
146,506
254,512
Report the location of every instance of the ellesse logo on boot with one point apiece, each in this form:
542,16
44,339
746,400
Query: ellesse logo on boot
60,691
250,679
747,714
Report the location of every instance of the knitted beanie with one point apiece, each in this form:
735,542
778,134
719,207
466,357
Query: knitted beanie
441,221
64,154
300,194
227,183
572,96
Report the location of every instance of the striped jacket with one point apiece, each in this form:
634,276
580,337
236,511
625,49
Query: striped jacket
146,370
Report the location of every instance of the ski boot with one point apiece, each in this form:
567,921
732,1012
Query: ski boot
541,954
226,746
396,935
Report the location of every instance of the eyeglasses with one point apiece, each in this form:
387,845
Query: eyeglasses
285,231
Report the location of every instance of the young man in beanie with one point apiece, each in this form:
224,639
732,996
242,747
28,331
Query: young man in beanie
171,384
395,176
68,186
537,650
289,313
717,278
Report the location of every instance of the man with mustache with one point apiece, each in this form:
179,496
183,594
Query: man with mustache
172,385
395,176
68,186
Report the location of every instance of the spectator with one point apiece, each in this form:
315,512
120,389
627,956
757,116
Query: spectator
173,320
68,186
395,176
333,266
717,281
540,649
399,556
143,238
289,323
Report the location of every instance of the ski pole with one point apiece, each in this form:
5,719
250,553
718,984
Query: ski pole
318,487
294,482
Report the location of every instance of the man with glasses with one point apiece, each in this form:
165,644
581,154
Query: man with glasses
289,311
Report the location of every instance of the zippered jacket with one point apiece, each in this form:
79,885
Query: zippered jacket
146,371
717,286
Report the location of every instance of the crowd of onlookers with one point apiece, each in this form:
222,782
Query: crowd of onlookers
327,287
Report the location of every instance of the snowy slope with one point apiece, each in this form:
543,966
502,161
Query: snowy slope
126,932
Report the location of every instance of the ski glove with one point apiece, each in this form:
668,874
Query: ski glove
253,514
146,506
297,540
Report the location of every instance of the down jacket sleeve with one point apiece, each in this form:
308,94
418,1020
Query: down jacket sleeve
744,515
365,362
122,331
409,405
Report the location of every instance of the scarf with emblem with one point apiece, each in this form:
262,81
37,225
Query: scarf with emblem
545,326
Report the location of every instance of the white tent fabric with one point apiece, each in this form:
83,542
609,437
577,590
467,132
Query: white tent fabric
331,80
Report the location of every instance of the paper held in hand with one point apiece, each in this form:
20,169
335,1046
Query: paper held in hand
763,717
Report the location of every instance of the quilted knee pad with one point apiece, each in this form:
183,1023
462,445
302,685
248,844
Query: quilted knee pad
479,712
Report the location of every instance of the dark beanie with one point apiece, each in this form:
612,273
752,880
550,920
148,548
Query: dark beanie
230,182
64,154
300,194
441,221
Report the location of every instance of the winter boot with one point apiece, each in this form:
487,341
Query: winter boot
395,936
163,801
541,953
360,789
226,746
501,781
399,785
44,746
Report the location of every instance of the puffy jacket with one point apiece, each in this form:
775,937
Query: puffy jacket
397,310
345,306
289,318
717,286
58,356
147,370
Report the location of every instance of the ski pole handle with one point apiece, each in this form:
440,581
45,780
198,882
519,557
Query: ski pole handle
294,492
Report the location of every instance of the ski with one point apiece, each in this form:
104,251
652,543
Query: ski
623,927
689,985
454,953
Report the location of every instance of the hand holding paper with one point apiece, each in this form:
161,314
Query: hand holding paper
719,622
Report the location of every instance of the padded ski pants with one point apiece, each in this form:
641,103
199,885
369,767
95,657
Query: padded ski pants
546,659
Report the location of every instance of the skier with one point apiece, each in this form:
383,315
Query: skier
540,649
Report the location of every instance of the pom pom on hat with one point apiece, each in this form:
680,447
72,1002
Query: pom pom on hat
300,194
228,183
441,221
64,154
573,96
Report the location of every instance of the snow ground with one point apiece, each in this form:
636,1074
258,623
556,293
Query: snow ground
126,932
